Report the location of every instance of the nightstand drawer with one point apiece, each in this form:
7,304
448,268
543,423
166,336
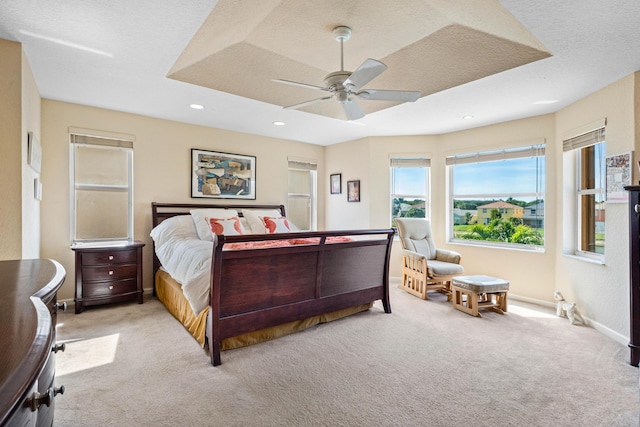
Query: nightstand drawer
109,272
109,257
107,289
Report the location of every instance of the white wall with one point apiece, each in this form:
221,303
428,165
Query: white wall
162,162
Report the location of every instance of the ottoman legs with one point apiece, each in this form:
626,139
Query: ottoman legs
469,301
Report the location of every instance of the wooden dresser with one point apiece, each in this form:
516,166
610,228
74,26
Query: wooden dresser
108,274
28,341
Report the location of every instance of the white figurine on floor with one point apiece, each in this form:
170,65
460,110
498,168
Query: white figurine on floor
565,309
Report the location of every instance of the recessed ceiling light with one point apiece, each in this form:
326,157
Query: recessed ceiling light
548,101
197,106
467,117
278,123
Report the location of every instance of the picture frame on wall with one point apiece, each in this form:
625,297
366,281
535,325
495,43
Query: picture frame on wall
218,175
353,191
335,183
618,176
34,152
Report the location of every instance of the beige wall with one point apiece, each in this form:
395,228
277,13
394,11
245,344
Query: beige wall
10,149
162,162
601,291
530,274
30,205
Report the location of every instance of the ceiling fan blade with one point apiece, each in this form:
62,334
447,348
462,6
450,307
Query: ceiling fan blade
304,104
389,95
289,82
352,109
367,71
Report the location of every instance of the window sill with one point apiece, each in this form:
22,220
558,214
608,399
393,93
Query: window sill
491,245
585,259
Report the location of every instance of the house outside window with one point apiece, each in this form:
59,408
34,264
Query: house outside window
102,189
589,151
409,188
497,197
302,194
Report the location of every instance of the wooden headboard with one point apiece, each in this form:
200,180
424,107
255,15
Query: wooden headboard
162,211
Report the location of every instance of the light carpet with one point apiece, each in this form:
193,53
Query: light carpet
425,364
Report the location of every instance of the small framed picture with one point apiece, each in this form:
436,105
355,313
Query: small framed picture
353,191
335,182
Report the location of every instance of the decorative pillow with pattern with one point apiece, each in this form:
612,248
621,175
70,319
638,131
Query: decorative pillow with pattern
276,225
227,226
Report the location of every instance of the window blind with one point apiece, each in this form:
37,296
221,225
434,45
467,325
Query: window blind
96,140
410,163
584,140
301,165
489,156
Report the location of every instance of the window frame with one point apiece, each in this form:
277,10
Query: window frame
418,162
580,192
588,135
536,148
100,143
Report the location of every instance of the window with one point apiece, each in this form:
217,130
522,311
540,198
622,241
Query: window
497,197
409,188
102,189
301,198
589,150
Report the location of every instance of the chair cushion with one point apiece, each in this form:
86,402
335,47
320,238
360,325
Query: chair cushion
440,268
415,235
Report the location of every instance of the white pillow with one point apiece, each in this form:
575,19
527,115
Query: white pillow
179,226
255,222
202,224
227,226
276,224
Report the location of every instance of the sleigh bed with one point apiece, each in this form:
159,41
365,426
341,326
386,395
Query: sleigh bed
262,286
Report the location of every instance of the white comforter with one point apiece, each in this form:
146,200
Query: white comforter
188,261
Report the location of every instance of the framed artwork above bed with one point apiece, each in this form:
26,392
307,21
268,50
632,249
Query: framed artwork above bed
217,175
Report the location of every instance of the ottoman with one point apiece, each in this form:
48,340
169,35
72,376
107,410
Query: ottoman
470,293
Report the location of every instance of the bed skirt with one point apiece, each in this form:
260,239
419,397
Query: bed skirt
169,292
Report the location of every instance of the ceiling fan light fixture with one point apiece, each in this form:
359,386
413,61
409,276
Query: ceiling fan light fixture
345,86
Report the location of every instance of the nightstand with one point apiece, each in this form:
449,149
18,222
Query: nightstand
108,274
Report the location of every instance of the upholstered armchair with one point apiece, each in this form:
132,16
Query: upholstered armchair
425,267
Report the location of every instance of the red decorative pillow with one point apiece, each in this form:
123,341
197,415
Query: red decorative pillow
227,226
276,225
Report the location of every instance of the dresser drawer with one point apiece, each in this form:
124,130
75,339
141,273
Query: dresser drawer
109,257
109,272
108,289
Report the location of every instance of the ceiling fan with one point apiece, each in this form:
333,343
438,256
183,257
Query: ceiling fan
345,86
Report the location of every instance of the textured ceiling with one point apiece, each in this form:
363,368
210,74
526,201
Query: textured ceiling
116,55
428,45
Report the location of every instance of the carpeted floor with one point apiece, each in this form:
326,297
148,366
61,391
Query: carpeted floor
424,365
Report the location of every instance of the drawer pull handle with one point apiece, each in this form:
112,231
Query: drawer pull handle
110,272
110,257
110,287
38,399
60,306
58,347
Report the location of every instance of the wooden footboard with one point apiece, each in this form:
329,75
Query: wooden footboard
253,289
257,288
